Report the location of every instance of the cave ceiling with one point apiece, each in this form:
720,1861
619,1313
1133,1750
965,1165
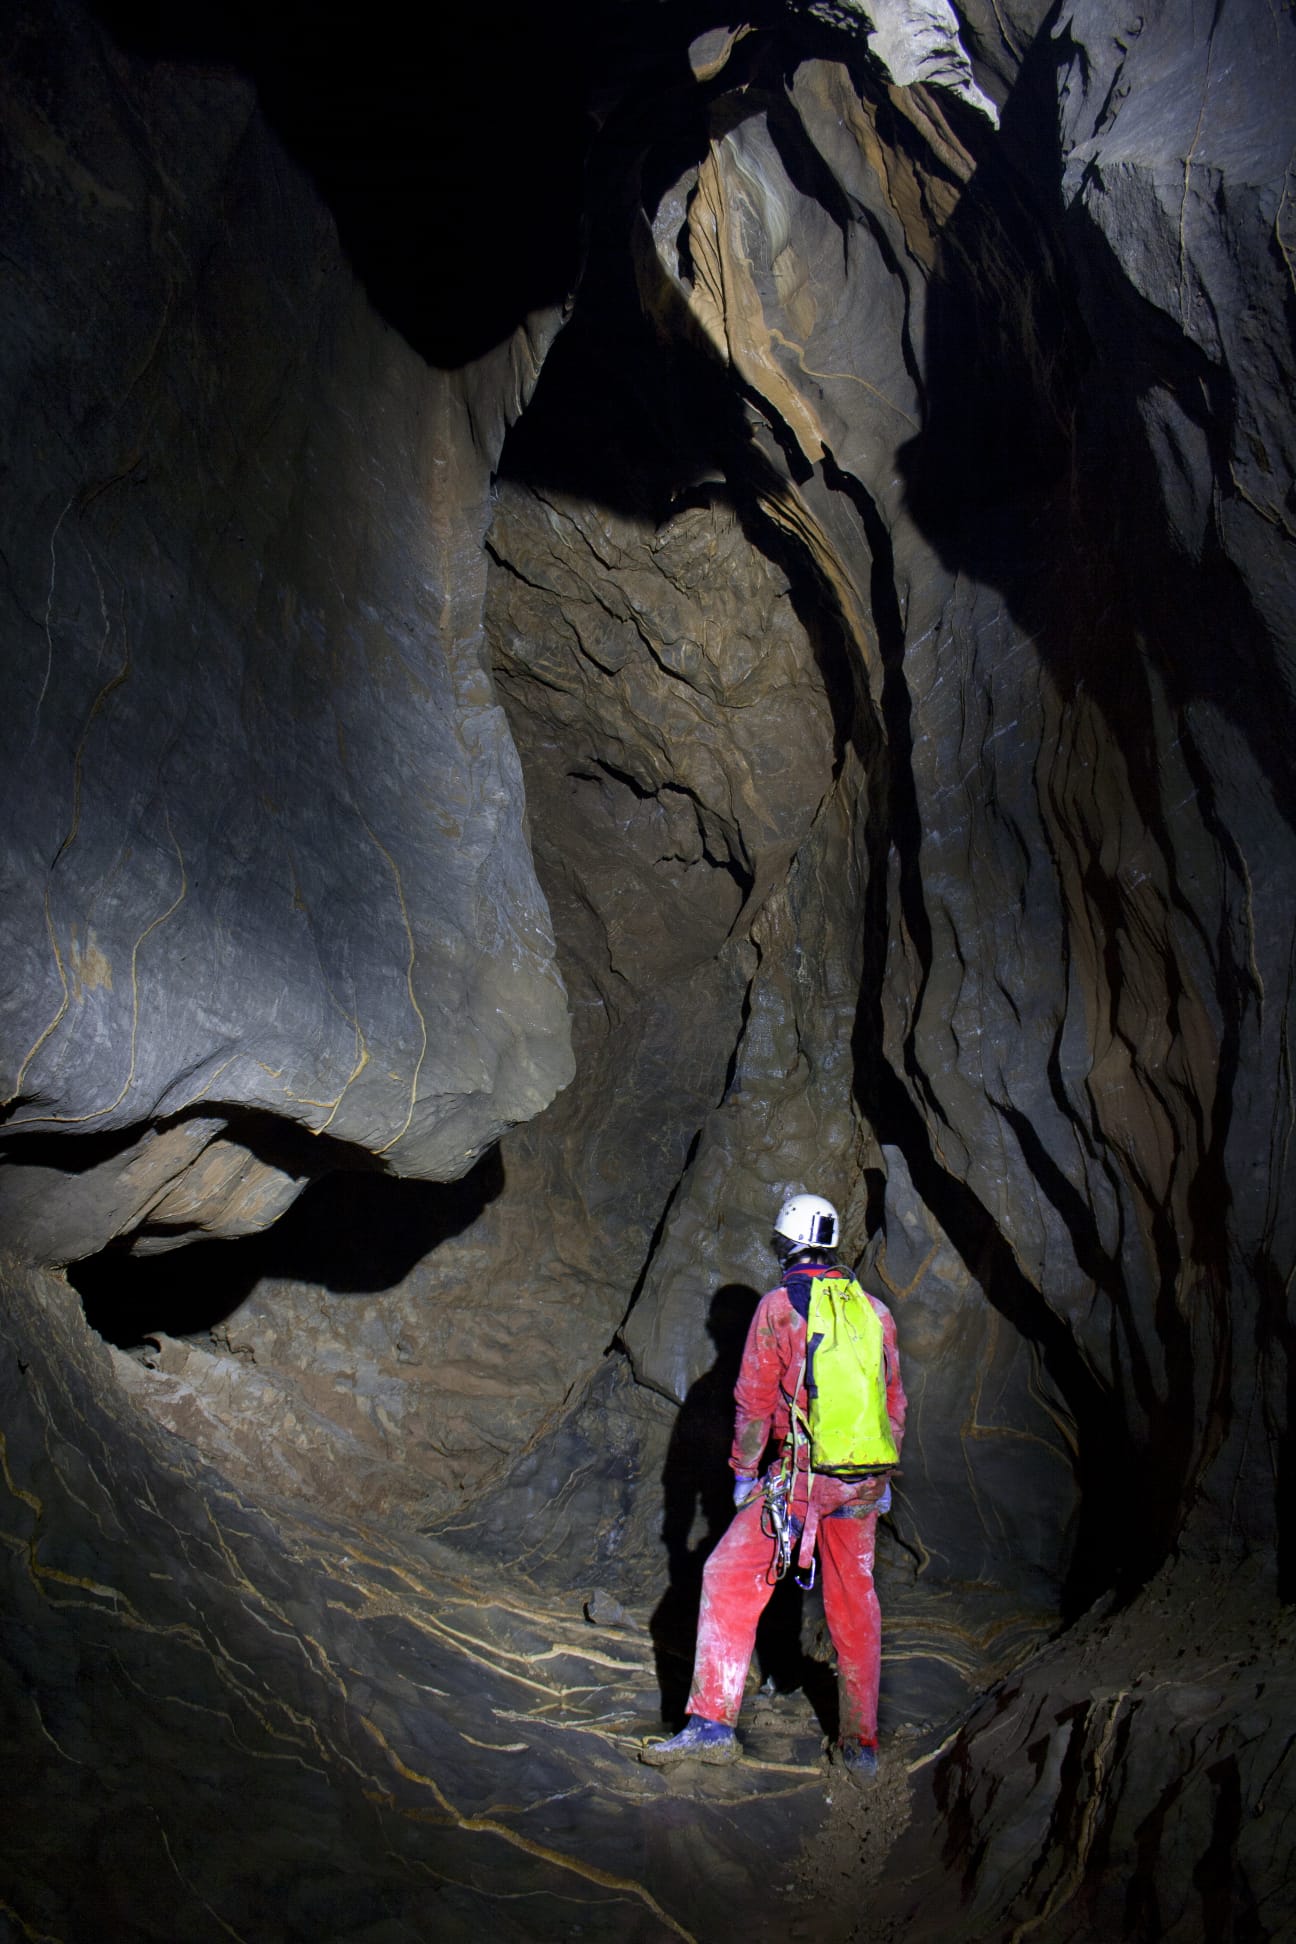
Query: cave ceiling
605,617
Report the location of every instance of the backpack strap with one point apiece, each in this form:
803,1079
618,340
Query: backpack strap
800,1429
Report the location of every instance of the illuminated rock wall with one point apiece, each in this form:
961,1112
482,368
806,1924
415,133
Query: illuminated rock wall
264,840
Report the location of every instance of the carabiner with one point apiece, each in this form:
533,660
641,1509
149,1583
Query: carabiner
776,1525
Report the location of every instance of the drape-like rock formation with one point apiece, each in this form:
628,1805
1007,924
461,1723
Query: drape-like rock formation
881,575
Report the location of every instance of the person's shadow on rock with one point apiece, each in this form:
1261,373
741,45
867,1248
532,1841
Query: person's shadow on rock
697,1493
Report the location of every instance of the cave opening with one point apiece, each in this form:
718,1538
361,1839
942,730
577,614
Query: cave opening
347,1233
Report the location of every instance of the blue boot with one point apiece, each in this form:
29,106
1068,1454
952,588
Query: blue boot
700,1741
860,1762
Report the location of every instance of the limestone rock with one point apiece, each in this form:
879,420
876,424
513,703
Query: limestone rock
264,819
919,40
170,1186
1152,1734
277,1718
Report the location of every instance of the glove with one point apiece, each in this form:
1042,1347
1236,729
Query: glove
744,1490
875,1495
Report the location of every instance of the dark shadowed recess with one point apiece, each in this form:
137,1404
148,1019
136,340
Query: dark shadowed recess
353,1233
448,142
627,414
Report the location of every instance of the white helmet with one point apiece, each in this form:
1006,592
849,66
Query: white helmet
805,1222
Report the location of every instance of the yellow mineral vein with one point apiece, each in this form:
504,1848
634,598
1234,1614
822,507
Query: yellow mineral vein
1252,960
32,1936
844,377
98,1113
62,1005
595,1658
736,307
318,1657
352,1019
1187,177
49,609
1269,513
362,1062
912,1768
1066,1886
1281,241
406,1575
203,1092
488,1658
55,1744
194,1893
394,868
27,1498
782,1768
487,1826
1064,1426
972,1425
974,1402
915,1279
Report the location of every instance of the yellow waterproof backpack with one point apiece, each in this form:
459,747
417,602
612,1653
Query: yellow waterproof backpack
845,1378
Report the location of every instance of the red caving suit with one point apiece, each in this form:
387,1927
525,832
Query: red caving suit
737,1582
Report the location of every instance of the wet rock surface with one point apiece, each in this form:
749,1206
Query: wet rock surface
881,587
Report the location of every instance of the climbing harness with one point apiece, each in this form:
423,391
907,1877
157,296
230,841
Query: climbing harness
845,1432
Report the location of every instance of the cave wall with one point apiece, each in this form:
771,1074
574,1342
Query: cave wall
1074,844
1005,1006
991,393
265,853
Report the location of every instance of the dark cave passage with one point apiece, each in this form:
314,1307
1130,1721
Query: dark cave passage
416,131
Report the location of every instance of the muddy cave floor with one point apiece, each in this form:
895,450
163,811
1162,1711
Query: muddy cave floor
254,1720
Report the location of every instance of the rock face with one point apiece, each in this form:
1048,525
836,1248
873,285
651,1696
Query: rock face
883,583
276,1721
264,839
